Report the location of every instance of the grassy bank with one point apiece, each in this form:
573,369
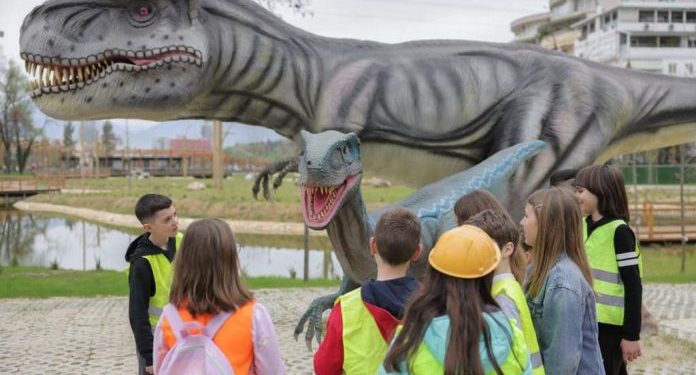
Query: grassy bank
40,282
234,202
663,265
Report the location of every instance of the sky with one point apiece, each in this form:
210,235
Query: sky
388,21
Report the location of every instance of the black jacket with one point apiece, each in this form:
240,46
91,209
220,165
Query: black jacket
141,284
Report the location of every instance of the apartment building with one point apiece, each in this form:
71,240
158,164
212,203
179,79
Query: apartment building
654,36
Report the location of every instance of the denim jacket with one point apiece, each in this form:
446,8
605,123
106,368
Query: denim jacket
565,321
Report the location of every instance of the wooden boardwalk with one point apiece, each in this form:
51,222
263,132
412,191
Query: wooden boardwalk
15,190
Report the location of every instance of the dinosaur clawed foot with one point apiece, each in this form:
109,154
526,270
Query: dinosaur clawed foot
313,319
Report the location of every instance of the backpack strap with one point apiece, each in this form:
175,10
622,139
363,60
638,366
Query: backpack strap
216,323
180,328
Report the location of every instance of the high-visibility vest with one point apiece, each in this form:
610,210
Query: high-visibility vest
605,271
162,274
234,338
512,289
364,347
425,362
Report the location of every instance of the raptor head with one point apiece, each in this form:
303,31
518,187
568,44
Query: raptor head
95,59
330,174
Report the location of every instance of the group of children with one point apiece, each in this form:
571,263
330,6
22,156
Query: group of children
478,309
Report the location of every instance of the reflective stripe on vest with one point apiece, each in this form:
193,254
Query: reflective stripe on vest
424,362
162,272
512,289
605,270
364,347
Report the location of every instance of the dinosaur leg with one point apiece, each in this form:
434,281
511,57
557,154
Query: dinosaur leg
315,311
281,167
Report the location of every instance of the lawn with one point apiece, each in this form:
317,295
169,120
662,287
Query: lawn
234,202
663,264
22,281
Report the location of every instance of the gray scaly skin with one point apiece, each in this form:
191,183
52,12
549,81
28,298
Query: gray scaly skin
330,174
424,110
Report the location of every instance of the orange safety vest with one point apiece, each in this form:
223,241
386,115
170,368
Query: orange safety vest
234,337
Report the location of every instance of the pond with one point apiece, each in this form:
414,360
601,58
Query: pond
44,240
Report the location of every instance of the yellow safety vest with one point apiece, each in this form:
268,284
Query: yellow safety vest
512,289
162,273
424,362
605,271
364,347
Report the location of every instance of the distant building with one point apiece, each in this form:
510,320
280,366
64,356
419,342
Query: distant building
207,131
190,144
553,29
653,36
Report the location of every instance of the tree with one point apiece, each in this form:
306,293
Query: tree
68,132
108,138
298,6
17,131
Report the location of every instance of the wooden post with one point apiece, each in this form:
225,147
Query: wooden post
682,178
83,171
218,168
305,272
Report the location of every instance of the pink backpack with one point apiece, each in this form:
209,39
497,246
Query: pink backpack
194,354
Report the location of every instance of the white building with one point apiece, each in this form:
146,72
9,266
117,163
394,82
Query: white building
655,36
552,29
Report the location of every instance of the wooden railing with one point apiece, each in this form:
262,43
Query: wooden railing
661,221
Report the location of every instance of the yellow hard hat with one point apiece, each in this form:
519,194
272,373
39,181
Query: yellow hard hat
466,252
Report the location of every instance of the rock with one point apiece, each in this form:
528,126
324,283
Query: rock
196,186
648,322
377,182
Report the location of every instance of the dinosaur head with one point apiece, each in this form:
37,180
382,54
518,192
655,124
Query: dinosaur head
330,174
95,59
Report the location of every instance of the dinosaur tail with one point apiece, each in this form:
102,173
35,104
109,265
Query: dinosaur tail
435,200
659,111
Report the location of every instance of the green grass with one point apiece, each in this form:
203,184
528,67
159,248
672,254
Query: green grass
36,282
663,265
234,202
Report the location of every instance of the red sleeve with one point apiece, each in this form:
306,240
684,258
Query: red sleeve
328,360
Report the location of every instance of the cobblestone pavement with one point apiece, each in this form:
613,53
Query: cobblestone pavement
92,335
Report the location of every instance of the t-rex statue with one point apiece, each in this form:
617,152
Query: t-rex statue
330,174
424,110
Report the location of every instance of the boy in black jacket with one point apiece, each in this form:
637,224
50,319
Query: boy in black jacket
149,271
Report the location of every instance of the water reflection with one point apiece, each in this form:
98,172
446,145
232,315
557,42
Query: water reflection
42,240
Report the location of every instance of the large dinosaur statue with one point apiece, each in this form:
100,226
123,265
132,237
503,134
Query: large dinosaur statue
424,109
330,174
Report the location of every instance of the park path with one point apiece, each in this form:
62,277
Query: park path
92,335
129,221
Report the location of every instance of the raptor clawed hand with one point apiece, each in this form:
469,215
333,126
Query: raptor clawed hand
280,169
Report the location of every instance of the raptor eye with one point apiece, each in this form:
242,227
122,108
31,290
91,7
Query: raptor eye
142,14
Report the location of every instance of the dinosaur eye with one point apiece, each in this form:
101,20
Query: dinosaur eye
142,14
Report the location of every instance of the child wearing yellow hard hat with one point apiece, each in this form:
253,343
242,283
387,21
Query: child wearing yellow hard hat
506,290
453,324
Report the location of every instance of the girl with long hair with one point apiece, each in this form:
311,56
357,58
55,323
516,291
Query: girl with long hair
559,286
207,290
616,264
453,325
477,201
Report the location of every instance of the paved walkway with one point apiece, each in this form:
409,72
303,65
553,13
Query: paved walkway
92,335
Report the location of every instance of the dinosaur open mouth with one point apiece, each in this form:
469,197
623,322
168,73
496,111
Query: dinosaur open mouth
321,202
56,75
